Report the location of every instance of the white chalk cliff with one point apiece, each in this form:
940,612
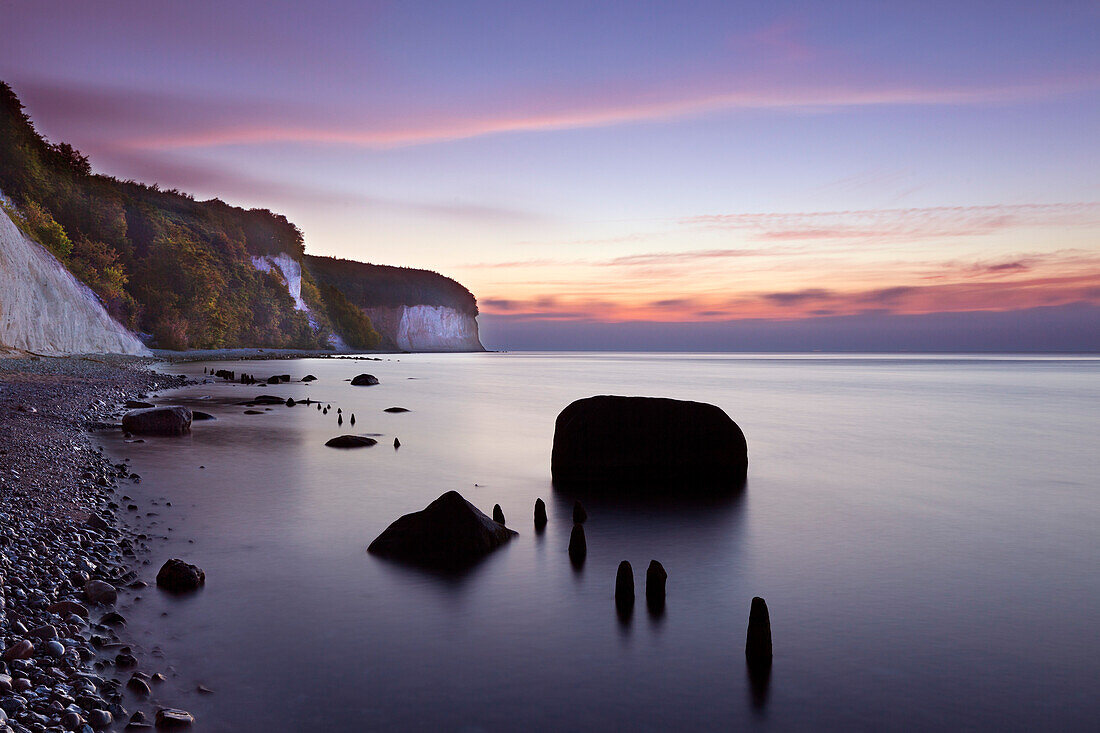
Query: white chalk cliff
44,309
427,327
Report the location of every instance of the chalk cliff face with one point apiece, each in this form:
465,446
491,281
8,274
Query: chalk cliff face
426,327
413,310
44,309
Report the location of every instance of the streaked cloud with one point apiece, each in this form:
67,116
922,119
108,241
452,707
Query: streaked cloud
902,224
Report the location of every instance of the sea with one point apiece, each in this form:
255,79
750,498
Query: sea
924,529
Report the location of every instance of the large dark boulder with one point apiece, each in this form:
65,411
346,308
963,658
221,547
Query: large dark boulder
450,533
268,399
174,420
635,442
350,441
177,576
364,380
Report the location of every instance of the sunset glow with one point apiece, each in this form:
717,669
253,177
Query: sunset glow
610,165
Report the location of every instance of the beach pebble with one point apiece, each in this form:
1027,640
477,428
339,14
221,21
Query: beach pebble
100,593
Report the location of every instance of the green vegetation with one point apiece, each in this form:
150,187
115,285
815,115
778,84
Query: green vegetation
371,286
350,322
161,262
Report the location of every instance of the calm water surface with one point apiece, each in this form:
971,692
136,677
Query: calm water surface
926,532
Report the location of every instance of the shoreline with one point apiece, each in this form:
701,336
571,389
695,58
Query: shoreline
68,661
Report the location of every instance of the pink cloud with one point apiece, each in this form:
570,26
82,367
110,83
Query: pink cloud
448,127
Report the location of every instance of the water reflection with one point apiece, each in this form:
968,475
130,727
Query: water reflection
759,677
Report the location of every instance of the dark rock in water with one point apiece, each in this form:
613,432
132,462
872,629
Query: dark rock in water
635,443
498,514
178,576
350,441
113,619
396,443
578,548
171,718
353,418
396,409
253,412
580,516
655,577
197,415
174,420
540,513
364,380
624,587
339,419
275,379
137,405
324,411
309,378
225,374
758,643
138,686
450,533
289,402
268,399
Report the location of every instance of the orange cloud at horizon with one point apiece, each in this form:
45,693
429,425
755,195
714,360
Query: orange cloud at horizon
968,260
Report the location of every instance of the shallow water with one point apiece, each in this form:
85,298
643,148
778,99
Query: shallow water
926,532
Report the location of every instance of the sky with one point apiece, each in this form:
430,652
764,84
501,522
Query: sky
633,167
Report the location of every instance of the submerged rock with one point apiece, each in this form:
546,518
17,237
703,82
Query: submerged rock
309,378
350,441
758,642
364,380
396,409
268,399
449,533
174,420
639,442
540,513
197,415
655,577
178,576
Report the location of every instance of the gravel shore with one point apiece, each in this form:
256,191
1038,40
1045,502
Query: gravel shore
64,553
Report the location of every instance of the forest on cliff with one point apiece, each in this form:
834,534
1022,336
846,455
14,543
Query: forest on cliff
162,263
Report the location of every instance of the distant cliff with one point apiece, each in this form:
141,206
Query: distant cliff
413,310
203,274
